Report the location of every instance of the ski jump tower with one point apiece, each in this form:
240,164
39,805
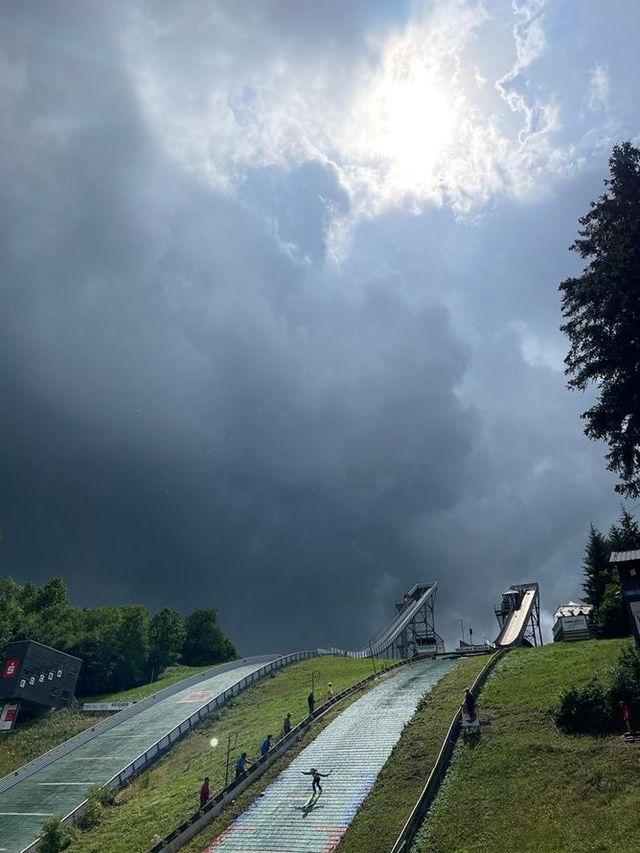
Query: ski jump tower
419,635
518,615
410,632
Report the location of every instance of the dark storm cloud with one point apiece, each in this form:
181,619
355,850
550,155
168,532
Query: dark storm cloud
190,416
198,409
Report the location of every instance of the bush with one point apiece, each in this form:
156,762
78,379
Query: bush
626,681
105,795
585,709
56,836
91,815
98,798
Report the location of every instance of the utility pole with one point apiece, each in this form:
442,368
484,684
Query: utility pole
230,746
315,673
373,660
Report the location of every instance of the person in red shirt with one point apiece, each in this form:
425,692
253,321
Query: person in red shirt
626,714
204,792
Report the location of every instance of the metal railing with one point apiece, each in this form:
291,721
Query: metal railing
428,794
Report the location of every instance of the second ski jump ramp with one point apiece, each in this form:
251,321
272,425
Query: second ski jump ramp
516,624
354,747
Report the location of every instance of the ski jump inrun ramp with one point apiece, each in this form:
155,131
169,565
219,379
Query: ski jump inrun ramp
522,619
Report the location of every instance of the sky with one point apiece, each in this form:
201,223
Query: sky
280,315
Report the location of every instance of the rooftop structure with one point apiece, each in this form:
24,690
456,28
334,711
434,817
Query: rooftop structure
574,621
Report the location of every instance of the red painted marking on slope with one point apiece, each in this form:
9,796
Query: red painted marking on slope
335,836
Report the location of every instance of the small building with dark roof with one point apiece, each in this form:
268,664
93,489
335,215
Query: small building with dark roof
33,672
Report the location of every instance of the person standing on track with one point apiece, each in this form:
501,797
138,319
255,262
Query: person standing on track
204,792
469,703
317,775
241,765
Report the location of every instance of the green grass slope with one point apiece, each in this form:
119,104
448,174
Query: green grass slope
34,737
526,786
386,809
164,796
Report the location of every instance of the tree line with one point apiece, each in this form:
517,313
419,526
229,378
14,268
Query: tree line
601,581
120,646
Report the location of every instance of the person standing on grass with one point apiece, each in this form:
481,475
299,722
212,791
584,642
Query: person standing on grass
204,792
266,745
330,690
286,726
317,775
626,714
311,702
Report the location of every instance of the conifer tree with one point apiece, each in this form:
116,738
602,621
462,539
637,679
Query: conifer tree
601,308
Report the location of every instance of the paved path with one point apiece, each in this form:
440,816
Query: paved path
62,785
354,746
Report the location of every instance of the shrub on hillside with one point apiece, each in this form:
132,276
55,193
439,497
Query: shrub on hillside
105,795
91,815
592,709
56,836
626,681
584,709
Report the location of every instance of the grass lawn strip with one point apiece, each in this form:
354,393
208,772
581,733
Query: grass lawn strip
165,795
527,787
384,812
35,737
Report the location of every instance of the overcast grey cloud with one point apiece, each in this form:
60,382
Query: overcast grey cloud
280,313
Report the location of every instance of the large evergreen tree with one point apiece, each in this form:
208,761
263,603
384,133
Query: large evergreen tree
601,580
596,567
602,312
625,535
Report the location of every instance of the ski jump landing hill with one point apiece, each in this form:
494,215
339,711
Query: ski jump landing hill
114,751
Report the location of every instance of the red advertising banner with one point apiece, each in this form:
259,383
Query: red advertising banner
11,668
9,716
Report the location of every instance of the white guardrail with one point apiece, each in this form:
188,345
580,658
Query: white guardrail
88,734
163,744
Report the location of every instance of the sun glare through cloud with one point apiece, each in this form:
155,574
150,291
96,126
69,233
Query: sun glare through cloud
410,127
412,121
